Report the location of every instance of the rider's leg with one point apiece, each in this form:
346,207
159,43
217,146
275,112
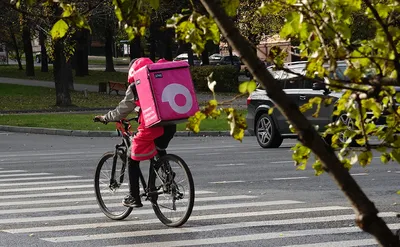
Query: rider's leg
133,199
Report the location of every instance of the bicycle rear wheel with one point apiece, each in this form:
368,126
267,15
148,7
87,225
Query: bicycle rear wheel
110,192
172,190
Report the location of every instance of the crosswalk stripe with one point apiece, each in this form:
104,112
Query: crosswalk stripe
49,188
72,193
37,178
47,182
146,211
201,199
207,228
254,237
24,174
141,222
11,171
347,243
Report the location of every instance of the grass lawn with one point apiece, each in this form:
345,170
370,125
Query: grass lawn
19,97
93,78
77,121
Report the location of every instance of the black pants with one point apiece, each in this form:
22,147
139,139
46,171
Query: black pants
162,143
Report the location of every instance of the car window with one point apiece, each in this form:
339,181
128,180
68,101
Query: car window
293,83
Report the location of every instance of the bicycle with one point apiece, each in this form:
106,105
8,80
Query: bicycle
163,189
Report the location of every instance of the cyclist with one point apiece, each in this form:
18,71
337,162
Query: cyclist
147,142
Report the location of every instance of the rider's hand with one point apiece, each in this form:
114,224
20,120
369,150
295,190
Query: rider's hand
99,119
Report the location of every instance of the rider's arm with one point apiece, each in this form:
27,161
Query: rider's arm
126,106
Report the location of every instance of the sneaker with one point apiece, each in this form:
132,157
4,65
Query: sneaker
130,201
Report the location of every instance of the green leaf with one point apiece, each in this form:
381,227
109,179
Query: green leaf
211,84
318,168
395,155
365,158
154,4
247,87
230,6
237,123
273,7
398,192
270,110
385,158
59,29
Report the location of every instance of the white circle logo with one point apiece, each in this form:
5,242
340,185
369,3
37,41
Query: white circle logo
171,91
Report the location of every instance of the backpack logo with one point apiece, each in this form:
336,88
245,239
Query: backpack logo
171,91
158,75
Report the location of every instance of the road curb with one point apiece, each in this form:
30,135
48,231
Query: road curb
86,133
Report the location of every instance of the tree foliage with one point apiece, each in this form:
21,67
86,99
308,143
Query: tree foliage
325,31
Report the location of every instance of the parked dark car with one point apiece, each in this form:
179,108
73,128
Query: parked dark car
270,130
184,57
217,59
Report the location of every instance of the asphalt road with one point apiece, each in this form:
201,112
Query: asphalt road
245,196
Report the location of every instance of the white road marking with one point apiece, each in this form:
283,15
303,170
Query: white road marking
141,222
290,178
254,237
71,193
46,182
239,164
201,199
207,228
347,243
24,174
48,188
227,182
45,160
36,178
205,154
359,174
11,171
282,162
145,211
398,172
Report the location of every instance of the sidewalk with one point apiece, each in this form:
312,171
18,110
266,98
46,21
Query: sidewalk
50,84
201,97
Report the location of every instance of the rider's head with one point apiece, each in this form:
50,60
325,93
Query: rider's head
135,65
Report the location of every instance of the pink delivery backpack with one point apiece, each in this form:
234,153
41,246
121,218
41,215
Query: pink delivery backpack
166,93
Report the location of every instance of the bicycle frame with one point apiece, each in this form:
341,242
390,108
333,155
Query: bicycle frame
123,149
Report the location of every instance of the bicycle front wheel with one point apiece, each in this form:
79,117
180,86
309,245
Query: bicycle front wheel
110,191
172,188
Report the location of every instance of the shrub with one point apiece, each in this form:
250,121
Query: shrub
226,77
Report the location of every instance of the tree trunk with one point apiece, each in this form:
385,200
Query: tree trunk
70,75
152,42
168,35
81,53
230,54
366,212
190,54
204,57
109,35
43,51
26,38
135,48
61,73
14,40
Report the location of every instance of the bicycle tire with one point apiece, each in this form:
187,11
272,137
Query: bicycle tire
107,204
172,191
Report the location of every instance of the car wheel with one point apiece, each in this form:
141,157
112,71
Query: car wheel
266,132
